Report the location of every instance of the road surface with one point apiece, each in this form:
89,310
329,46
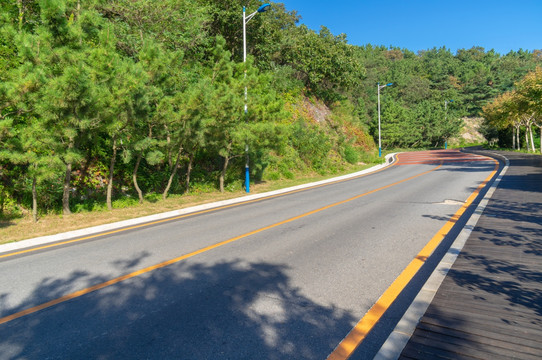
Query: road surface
284,277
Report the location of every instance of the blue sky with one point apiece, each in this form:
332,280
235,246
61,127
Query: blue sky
424,24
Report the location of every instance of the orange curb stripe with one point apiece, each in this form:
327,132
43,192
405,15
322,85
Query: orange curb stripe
347,346
186,256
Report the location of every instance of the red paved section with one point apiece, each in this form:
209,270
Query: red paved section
437,157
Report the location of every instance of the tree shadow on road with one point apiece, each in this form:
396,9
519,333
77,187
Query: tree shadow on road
495,286
503,253
188,310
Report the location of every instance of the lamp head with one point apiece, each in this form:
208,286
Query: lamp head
264,7
389,84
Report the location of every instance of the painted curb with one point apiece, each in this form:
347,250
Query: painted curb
23,244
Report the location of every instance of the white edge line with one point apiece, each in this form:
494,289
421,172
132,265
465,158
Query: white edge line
23,244
399,337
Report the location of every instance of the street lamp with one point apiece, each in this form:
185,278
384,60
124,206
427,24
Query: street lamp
246,19
446,119
379,87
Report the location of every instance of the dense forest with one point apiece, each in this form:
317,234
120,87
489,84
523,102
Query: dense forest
105,99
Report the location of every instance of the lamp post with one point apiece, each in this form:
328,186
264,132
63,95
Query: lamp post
246,19
379,87
446,119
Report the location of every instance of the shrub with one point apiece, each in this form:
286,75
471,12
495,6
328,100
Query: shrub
351,155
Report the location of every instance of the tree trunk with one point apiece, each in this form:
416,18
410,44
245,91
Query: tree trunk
517,137
34,201
86,164
110,180
66,191
532,139
223,173
188,172
134,177
21,14
514,139
67,183
173,172
168,142
540,139
527,139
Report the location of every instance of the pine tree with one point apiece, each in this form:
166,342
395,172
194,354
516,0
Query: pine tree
64,98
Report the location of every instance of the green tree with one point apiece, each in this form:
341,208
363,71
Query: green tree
53,81
268,35
151,137
187,116
32,150
196,122
502,113
530,90
122,101
399,126
175,25
325,63
226,106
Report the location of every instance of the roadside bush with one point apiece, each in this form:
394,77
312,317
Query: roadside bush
125,202
312,144
351,155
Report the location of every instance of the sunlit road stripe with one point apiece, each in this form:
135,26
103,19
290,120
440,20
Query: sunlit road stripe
119,279
446,161
20,252
448,158
349,344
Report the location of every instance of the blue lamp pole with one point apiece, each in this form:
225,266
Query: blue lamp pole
380,87
246,19
446,119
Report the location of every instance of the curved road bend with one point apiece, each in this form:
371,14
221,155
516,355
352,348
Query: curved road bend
285,277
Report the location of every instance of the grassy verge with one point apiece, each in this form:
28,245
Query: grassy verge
16,229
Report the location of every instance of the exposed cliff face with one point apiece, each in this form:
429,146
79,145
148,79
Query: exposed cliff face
470,133
338,120
309,109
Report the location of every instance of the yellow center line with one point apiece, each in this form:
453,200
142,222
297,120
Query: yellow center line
354,338
119,279
20,252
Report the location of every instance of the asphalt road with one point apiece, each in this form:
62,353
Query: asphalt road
281,278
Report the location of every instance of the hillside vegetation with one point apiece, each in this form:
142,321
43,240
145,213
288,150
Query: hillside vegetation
104,101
